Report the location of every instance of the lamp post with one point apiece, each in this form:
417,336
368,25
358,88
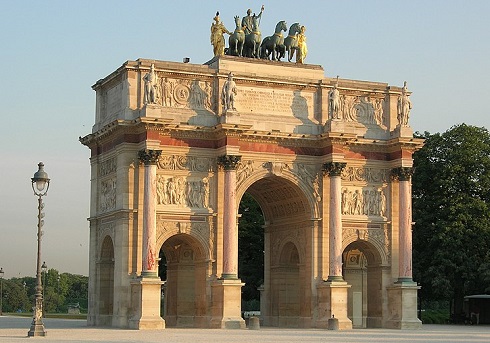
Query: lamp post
40,186
44,269
1,291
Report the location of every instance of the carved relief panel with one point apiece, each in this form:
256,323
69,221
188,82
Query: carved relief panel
107,185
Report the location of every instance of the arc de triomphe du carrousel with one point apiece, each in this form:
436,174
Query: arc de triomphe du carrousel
176,145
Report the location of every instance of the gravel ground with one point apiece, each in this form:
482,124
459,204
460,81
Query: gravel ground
14,329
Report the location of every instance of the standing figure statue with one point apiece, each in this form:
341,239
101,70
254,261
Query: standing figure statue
247,22
228,94
404,106
302,48
334,101
151,86
218,29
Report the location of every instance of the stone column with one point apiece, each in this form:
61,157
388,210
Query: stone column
150,255
334,169
230,235
404,175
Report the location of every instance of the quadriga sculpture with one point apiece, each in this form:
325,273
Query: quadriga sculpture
252,40
274,44
237,39
291,41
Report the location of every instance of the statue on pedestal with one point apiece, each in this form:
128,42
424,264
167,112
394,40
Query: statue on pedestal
404,106
228,94
151,86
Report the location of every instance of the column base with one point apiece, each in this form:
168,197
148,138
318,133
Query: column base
332,303
145,301
226,309
402,305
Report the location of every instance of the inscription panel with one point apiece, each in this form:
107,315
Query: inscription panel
275,102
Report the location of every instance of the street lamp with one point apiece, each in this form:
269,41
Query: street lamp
1,291
40,186
44,269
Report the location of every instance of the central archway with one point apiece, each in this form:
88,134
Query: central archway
285,293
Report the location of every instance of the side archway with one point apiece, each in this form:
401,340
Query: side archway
106,281
364,271
184,269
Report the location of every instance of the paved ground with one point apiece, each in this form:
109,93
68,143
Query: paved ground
14,329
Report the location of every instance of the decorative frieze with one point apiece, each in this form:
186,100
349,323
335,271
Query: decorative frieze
107,195
366,174
182,191
107,167
363,201
190,163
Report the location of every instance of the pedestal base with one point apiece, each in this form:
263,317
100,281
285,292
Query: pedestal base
145,300
402,305
230,117
226,308
332,303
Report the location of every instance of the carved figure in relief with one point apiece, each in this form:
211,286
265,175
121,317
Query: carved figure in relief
244,171
218,30
348,107
369,202
205,192
151,86
197,96
404,106
172,193
162,190
334,102
228,94
378,111
302,48
167,91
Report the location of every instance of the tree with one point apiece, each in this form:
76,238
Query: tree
250,248
451,209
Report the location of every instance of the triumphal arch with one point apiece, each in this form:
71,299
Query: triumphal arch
174,148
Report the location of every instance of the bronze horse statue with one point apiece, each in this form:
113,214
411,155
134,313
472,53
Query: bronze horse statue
291,41
237,39
274,44
252,40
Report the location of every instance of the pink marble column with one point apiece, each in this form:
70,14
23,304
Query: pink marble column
334,169
405,224
230,232
150,253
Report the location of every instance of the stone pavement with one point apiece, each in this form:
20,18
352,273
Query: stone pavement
14,329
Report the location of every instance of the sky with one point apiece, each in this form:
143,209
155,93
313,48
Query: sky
52,52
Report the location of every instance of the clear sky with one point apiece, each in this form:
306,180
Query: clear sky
52,52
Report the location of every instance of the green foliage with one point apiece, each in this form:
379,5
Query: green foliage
59,291
250,247
435,316
451,209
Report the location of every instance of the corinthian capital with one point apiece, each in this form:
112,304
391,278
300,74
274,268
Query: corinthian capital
333,168
148,157
402,173
229,162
